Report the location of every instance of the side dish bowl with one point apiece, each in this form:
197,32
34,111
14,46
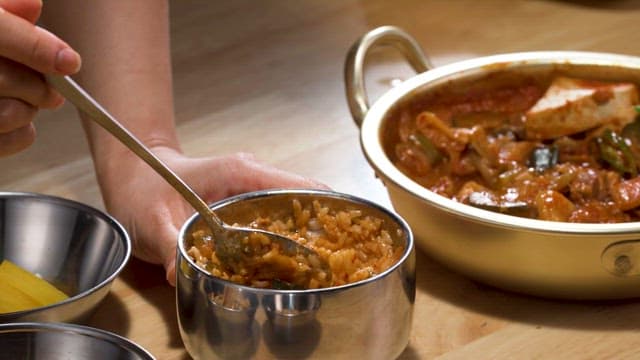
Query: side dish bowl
543,258
370,318
57,341
78,249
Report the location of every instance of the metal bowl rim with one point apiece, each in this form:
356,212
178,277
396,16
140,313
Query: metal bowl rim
87,209
371,141
100,334
182,253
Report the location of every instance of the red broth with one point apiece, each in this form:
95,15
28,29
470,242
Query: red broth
559,149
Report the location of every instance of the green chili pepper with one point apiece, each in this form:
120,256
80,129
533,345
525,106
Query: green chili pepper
615,152
628,157
428,148
632,131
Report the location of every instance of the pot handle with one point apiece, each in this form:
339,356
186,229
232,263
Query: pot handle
354,64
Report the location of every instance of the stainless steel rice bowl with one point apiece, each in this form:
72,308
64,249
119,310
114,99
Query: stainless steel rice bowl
368,319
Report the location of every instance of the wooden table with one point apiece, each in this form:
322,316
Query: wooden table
271,72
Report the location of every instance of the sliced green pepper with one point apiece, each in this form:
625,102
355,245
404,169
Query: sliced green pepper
428,148
615,152
632,131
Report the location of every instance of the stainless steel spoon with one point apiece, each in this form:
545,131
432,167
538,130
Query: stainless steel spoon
227,239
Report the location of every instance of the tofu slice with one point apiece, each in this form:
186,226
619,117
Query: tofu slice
571,106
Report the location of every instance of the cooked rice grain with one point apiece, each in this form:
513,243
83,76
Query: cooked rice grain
355,246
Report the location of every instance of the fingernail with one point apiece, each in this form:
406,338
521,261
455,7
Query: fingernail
67,61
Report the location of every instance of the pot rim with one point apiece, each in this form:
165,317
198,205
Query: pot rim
370,137
407,253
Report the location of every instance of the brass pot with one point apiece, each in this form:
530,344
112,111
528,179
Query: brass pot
543,258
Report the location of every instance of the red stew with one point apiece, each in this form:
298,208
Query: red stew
566,150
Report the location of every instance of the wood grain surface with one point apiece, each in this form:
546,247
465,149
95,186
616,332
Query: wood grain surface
267,77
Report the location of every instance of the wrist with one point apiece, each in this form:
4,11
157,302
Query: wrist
117,165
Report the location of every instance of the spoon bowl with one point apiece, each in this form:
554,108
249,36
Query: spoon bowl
230,242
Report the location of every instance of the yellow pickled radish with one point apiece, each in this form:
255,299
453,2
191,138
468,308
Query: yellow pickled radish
21,289
12,299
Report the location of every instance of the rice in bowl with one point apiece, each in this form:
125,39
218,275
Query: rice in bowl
356,246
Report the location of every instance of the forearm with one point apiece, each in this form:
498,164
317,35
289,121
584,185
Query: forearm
125,50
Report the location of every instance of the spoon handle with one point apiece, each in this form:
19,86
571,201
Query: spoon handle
85,103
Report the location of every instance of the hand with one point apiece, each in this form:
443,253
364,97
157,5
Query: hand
153,212
26,52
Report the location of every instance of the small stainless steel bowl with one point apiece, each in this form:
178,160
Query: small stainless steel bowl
543,258
77,248
370,319
57,341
